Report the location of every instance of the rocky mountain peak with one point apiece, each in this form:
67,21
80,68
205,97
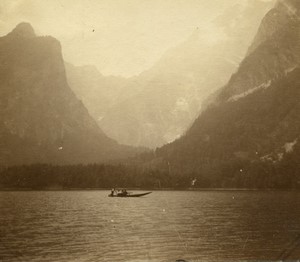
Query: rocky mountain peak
23,30
41,119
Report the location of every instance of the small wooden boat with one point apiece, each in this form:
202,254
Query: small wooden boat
122,194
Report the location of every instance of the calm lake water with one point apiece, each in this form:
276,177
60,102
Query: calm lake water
163,226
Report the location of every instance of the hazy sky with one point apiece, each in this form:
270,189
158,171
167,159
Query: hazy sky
120,37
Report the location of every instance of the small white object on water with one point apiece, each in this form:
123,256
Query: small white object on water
60,148
232,197
164,210
112,220
241,170
194,181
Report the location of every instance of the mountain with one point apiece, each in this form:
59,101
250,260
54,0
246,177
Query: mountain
158,105
249,135
276,19
276,55
97,92
41,120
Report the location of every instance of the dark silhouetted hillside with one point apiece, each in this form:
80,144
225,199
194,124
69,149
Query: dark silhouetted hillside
41,120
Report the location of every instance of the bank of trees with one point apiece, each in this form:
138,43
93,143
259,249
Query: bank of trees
235,174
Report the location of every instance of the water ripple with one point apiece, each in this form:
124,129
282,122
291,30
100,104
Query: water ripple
164,226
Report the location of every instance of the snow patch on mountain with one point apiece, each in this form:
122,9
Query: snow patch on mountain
289,147
250,91
277,157
289,70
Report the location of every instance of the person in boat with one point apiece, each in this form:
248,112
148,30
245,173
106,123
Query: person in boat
124,192
114,191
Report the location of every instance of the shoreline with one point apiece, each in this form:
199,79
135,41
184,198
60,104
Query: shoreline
153,189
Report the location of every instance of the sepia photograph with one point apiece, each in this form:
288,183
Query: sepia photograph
149,130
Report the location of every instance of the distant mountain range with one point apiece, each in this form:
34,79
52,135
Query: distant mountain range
247,130
41,119
159,105
251,128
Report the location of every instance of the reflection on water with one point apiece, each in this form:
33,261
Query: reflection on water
163,226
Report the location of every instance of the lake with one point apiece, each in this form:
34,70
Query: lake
163,226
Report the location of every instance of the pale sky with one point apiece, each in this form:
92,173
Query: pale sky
120,37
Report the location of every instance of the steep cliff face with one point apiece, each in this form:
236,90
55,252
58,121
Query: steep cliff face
250,142
254,127
276,19
274,52
41,119
254,121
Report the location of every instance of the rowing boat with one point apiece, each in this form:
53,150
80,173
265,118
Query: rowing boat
129,195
